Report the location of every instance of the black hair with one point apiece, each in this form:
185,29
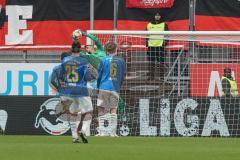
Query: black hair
76,46
227,70
75,50
157,14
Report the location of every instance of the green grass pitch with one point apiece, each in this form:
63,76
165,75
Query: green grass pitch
122,148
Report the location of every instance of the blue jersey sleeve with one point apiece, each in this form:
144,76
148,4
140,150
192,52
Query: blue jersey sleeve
56,77
100,73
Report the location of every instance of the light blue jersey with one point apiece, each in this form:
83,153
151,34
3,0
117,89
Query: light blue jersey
55,78
111,73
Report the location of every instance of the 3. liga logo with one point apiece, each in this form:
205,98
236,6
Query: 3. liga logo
48,121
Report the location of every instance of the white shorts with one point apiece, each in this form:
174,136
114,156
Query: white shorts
107,99
79,104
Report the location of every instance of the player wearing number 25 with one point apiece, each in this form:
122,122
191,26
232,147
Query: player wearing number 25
74,74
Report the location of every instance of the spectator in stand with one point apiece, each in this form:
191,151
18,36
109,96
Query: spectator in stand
229,85
155,45
2,14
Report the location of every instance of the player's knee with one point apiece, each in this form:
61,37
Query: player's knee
113,110
100,111
88,114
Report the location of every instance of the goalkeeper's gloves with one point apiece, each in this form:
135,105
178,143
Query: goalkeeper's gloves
74,38
84,33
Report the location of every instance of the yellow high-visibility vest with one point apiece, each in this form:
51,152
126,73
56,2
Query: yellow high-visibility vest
155,40
233,89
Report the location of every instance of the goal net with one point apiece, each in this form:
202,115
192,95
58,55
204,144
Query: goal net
178,89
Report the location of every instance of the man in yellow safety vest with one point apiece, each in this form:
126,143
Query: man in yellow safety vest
155,45
229,85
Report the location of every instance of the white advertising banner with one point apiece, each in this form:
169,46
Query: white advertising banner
25,78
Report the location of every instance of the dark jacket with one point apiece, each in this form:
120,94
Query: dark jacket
2,17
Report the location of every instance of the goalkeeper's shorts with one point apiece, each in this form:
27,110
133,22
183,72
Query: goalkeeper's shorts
108,99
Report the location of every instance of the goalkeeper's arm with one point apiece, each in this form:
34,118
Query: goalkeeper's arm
95,39
79,33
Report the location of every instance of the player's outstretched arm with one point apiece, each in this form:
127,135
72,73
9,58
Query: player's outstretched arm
95,39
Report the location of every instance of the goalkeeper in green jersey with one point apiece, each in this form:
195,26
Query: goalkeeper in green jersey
94,56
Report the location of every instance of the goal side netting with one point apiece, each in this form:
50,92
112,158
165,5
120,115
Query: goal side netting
176,88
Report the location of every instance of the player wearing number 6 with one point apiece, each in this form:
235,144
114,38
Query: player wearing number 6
111,74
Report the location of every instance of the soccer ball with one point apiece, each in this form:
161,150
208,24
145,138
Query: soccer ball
124,130
76,34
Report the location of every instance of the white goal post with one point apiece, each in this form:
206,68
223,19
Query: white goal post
177,90
190,33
